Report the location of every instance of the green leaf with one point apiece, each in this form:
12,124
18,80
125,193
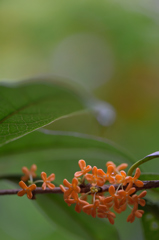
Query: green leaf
22,220
58,154
126,230
150,220
80,224
149,176
27,107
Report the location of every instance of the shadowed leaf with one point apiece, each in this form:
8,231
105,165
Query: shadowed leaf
57,153
29,106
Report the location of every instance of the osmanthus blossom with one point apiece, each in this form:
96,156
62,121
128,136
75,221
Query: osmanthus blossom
94,178
90,209
92,199
103,201
135,211
116,169
126,197
100,205
79,202
107,214
121,178
138,198
108,175
26,190
47,180
113,198
29,173
134,179
71,187
84,169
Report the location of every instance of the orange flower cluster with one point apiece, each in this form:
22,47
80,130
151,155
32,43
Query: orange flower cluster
29,175
98,204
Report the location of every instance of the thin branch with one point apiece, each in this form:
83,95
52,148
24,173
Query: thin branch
84,188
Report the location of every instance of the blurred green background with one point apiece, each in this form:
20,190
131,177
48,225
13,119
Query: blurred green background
109,47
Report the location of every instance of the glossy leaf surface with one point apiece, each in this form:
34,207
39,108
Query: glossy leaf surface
82,225
150,220
29,106
59,154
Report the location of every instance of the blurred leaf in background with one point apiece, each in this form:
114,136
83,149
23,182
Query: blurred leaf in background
109,47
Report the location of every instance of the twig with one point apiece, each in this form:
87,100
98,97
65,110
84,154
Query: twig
84,188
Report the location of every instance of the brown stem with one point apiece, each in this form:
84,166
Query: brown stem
84,188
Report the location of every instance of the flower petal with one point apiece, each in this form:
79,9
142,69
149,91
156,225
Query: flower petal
74,182
66,183
137,173
21,193
112,190
122,166
139,183
78,208
44,186
29,194
67,193
25,178
82,164
23,185
25,170
51,177
94,170
88,168
32,187
50,185
43,176
78,174
143,194
33,168
62,188
142,202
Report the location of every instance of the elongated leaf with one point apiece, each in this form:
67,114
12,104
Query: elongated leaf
30,106
23,220
150,220
126,230
81,224
20,220
58,154
149,176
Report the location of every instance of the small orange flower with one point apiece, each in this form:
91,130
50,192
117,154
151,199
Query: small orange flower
47,181
93,178
135,213
107,214
71,187
91,208
125,194
114,197
84,169
79,203
26,189
103,200
120,178
117,169
29,173
138,198
108,175
125,197
134,179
